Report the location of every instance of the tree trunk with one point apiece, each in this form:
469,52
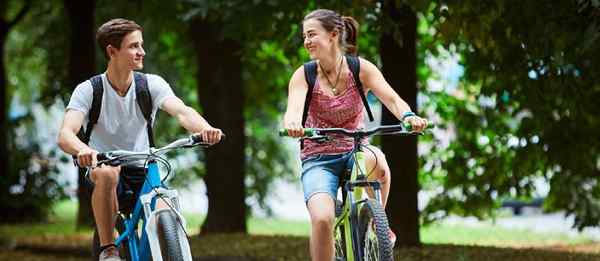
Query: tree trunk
82,65
399,68
220,88
5,27
3,101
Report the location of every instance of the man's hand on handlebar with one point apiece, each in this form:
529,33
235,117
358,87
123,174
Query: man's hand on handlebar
86,157
211,135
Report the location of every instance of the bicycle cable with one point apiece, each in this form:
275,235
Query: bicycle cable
360,169
376,160
166,164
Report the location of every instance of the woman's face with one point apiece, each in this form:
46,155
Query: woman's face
317,41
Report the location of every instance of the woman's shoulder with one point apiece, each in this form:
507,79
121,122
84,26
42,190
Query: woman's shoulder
365,63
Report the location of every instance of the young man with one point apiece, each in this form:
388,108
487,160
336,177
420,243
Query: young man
121,122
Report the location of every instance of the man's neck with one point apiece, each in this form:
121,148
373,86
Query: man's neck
120,80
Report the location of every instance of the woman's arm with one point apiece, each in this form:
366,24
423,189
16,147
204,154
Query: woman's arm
292,120
373,80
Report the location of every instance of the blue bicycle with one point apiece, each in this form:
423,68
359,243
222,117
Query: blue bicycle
161,235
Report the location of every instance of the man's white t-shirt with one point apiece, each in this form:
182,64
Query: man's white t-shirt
121,124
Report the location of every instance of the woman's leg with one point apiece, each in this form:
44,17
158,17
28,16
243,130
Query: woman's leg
320,185
321,208
378,169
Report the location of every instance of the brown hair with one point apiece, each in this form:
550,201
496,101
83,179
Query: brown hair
113,32
346,26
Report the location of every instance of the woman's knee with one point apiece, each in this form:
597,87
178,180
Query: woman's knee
321,210
379,165
105,176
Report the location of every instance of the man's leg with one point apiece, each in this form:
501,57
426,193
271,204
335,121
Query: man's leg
104,201
322,213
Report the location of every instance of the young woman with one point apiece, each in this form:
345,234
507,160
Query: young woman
335,102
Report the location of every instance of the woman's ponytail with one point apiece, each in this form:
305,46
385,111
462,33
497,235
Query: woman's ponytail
350,35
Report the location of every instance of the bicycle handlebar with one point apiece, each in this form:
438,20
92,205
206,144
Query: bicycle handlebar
400,129
117,157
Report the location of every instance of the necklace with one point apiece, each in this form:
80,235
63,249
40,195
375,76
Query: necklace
337,79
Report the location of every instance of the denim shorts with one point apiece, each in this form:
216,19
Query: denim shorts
321,173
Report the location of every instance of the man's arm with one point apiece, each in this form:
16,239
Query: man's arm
191,120
70,143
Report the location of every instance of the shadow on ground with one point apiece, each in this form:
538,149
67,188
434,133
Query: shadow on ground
237,247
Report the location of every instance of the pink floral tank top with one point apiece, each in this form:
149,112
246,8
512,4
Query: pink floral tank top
342,111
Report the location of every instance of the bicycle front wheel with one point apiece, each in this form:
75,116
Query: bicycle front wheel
373,226
168,238
340,243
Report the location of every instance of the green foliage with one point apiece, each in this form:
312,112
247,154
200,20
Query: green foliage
30,187
525,109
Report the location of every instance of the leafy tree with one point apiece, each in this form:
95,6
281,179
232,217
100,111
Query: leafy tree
29,184
222,33
525,109
6,24
399,59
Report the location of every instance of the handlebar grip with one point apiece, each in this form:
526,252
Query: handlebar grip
196,138
307,132
101,156
283,133
408,127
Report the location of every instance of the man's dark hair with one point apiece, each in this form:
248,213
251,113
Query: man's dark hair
113,32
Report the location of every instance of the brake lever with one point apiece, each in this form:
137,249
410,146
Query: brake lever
404,133
319,138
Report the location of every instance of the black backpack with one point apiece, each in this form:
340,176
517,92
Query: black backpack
143,97
310,74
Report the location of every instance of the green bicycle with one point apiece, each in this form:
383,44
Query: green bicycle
361,225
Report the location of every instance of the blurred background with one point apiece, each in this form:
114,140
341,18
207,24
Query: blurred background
510,171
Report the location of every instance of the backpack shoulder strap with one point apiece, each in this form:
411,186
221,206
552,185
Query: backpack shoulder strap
94,113
144,100
310,74
354,64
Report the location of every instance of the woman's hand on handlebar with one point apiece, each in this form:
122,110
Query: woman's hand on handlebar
417,123
294,129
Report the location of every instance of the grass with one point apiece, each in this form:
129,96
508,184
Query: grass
62,223
274,239
488,235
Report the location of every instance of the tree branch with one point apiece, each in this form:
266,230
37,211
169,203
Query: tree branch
21,14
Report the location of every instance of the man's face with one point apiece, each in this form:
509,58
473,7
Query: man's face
131,52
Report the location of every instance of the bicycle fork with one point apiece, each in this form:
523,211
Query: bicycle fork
172,197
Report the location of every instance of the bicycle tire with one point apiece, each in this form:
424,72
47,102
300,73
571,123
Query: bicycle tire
373,226
123,248
167,231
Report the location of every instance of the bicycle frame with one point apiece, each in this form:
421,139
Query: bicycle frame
353,190
146,246
356,186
